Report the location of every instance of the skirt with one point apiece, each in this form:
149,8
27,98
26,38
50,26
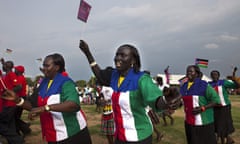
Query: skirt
223,121
107,124
148,140
83,136
200,134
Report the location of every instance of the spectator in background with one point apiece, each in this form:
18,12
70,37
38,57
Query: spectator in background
222,113
168,112
21,126
107,121
160,83
7,116
236,80
1,90
98,98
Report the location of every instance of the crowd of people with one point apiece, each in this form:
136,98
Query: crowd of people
128,95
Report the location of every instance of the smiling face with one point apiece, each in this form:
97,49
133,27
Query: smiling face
192,73
49,68
123,60
215,75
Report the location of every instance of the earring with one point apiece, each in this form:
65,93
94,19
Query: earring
132,65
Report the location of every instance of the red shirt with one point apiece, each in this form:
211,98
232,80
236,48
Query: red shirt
1,92
22,80
10,80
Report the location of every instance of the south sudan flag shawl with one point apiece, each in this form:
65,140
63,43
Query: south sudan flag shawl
199,94
57,126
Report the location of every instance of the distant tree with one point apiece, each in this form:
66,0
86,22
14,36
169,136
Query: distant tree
37,78
81,83
92,81
29,81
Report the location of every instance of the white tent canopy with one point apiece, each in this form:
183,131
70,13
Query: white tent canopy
174,78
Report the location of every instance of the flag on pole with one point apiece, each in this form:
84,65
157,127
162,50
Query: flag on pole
9,51
83,11
39,59
183,80
201,62
166,71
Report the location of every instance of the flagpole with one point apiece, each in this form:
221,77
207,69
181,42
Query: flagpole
83,13
3,84
83,30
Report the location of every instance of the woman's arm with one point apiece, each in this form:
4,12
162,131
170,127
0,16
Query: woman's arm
93,64
11,95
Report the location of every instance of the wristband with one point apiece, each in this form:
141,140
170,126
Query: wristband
21,102
47,108
93,64
164,99
203,108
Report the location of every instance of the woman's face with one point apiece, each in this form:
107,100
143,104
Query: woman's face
191,73
215,76
123,60
49,68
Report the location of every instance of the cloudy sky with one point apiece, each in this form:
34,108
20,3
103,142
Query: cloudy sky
166,32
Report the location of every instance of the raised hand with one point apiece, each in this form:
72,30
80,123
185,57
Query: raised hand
235,69
2,60
83,46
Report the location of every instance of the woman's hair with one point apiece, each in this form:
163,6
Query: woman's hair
58,60
215,71
197,70
136,56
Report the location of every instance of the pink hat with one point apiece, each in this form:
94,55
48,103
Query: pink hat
20,68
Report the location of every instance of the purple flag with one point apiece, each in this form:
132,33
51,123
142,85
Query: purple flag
83,11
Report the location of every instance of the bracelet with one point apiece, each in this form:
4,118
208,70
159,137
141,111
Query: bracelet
93,64
21,102
203,108
164,99
47,108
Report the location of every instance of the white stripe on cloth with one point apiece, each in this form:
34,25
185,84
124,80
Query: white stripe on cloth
198,118
128,119
220,93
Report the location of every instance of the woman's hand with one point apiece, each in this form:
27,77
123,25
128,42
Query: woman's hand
83,46
35,112
175,103
173,97
197,110
9,95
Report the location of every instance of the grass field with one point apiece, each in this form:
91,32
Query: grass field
173,134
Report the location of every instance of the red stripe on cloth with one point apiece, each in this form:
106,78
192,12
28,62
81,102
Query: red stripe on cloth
48,130
120,132
188,107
